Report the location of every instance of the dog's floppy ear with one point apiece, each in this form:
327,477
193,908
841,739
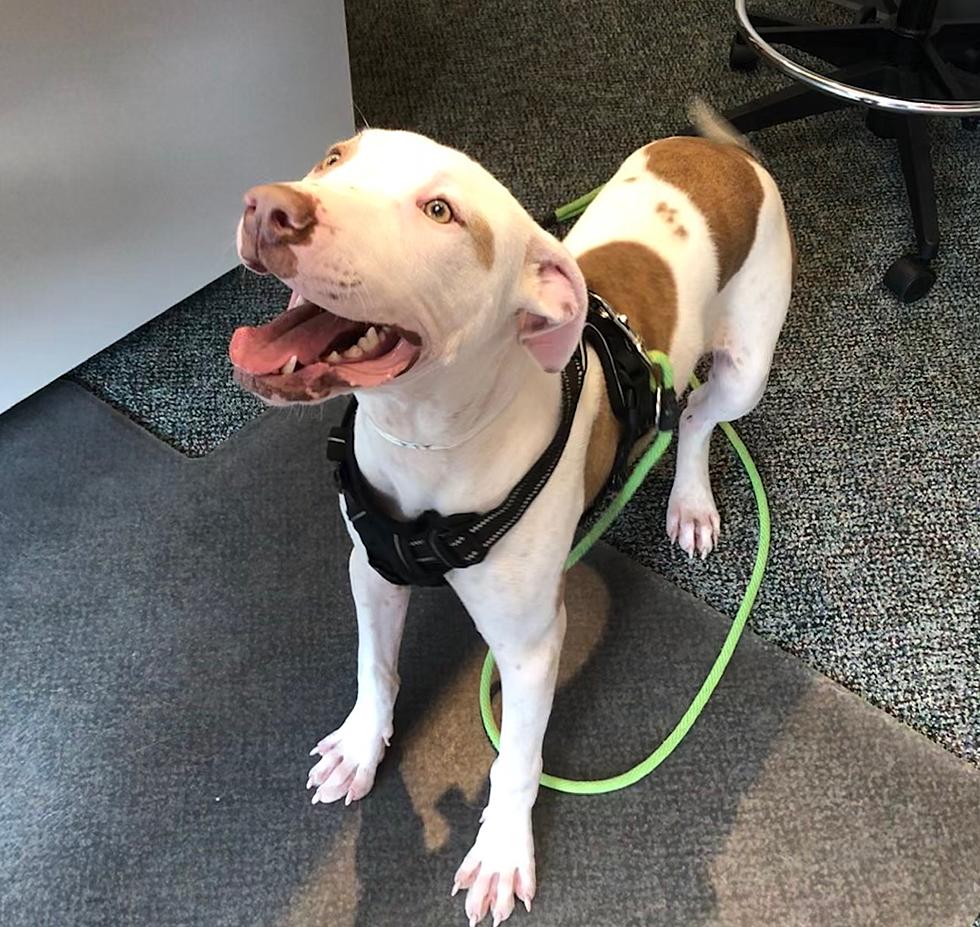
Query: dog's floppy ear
553,302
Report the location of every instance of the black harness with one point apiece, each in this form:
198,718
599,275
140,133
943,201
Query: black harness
422,551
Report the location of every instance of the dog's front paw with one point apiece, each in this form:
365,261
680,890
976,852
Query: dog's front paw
349,758
692,520
500,866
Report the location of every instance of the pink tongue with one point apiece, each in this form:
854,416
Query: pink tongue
305,330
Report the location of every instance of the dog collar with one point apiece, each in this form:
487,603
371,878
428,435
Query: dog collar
414,446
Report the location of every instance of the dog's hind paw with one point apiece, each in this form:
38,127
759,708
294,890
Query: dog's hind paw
693,521
349,759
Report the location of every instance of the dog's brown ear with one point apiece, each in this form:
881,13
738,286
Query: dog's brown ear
553,303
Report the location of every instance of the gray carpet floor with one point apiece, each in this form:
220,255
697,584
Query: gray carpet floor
177,632
867,438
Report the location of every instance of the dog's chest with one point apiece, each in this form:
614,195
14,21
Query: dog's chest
472,478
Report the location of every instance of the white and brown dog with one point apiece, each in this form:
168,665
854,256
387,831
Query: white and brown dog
422,285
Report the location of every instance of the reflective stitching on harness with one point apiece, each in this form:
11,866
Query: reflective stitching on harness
538,486
434,547
568,415
397,541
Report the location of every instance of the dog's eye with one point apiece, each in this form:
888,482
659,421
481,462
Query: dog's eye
333,156
438,211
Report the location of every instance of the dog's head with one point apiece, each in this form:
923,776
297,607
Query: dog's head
402,255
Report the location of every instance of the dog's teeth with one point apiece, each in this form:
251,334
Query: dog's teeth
370,340
333,358
353,353
290,365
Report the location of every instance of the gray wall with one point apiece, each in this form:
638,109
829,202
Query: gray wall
128,132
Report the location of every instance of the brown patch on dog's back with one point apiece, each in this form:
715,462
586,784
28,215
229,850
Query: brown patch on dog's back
722,184
482,235
637,282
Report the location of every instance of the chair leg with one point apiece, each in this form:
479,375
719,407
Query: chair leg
913,147
911,277
840,45
766,22
796,102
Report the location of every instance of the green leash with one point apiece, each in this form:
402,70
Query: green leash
636,478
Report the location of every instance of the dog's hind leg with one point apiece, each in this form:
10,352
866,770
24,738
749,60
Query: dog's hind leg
734,388
743,341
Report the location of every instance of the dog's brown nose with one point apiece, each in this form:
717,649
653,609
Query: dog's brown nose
276,213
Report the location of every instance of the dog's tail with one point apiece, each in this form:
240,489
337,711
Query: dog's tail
712,126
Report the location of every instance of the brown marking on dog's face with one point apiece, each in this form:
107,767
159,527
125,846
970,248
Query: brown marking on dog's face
630,179
722,184
275,252
680,231
337,154
482,235
635,280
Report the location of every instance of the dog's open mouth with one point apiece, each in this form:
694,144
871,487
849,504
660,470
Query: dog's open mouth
307,351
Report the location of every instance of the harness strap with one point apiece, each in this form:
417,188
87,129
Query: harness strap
629,376
422,551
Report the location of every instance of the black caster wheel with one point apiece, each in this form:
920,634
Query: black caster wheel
909,278
741,57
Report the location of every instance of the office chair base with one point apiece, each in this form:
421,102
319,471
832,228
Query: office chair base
741,57
906,55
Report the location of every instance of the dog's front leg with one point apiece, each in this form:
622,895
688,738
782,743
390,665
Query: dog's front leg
526,644
350,755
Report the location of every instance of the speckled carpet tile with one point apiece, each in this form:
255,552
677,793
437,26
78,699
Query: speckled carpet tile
868,436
